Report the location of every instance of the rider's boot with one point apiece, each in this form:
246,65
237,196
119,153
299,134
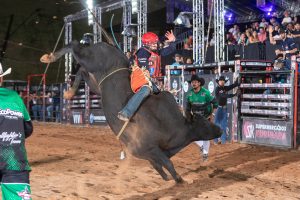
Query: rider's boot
134,103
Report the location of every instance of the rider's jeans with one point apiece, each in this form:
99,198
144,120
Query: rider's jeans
135,102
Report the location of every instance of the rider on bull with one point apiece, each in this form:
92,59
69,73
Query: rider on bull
148,65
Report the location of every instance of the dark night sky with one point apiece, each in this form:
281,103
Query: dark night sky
36,27
37,24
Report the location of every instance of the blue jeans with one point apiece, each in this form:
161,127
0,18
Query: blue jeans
49,112
37,112
221,121
135,101
56,110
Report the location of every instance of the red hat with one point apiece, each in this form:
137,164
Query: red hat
149,38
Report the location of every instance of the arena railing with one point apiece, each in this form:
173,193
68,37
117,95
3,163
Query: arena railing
268,107
256,106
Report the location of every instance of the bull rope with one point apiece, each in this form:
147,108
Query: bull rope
112,74
126,123
122,130
123,155
45,72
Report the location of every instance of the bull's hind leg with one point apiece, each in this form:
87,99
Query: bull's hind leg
158,167
165,162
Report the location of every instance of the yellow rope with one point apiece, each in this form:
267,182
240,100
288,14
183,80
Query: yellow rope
60,34
122,130
126,123
111,74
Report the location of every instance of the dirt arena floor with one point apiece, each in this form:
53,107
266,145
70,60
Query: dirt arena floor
70,163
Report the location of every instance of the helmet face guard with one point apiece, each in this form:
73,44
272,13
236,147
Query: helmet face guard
87,39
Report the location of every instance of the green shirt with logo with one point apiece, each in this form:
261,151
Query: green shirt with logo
13,113
200,103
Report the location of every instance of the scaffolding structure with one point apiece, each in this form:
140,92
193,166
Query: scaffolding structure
141,20
97,32
68,34
126,23
68,56
219,30
97,13
198,31
96,27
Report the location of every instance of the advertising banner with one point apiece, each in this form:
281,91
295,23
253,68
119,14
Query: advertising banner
77,117
176,88
267,132
96,117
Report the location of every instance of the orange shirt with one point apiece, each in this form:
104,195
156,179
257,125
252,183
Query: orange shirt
139,78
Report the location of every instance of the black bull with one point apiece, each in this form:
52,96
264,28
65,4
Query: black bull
158,130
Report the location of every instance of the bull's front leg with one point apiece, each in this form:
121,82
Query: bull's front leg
52,57
71,92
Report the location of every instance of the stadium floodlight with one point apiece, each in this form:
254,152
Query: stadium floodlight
90,6
134,6
183,19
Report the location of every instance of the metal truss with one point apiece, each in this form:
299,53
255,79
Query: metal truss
127,12
96,27
77,16
219,30
198,31
68,56
141,20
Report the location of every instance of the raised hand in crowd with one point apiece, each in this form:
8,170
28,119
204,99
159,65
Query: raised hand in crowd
170,36
270,29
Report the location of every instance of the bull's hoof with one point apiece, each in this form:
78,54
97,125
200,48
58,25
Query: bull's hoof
179,180
167,178
47,58
68,94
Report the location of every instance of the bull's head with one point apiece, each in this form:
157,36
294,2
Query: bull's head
203,129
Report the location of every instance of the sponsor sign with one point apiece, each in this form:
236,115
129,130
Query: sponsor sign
10,138
176,88
97,117
185,86
77,117
25,194
211,87
267,132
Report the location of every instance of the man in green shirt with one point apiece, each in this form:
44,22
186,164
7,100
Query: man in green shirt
200,103
15,126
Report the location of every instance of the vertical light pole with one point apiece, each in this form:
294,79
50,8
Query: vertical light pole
90,6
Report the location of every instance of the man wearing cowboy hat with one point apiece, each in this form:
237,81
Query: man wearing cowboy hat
222,95
15,126
200,103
